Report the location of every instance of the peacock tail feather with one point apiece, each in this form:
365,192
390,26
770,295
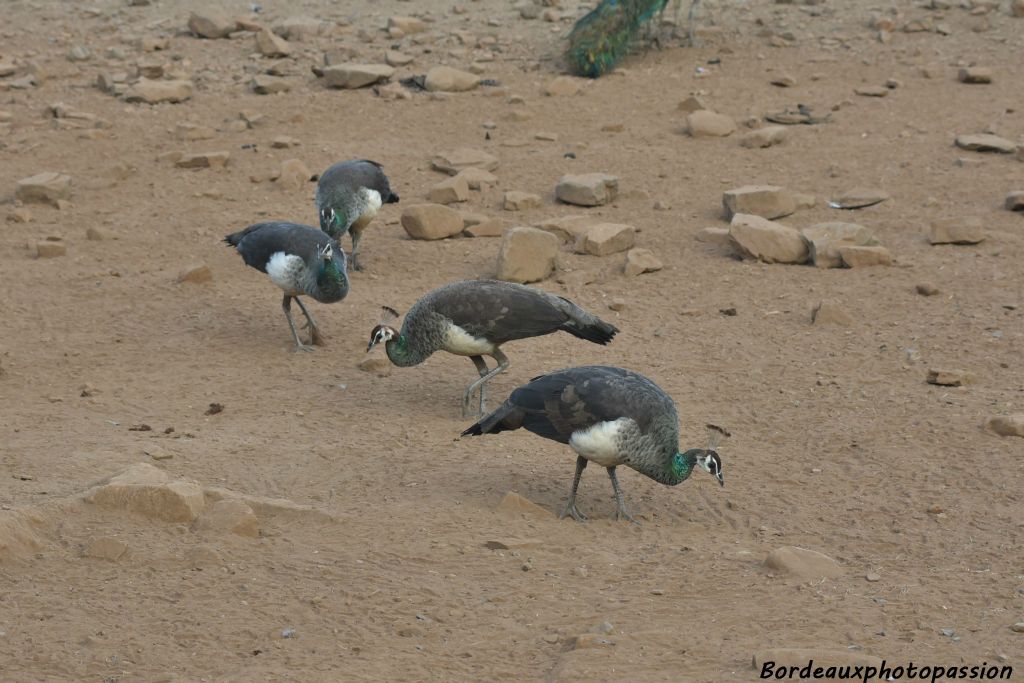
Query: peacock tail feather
600,39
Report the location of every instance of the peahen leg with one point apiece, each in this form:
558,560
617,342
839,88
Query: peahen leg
286,304
691,26
621,512
484,379
570,508
314,332
354,256
482,370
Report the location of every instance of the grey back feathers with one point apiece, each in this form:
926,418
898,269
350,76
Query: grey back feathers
340,187
558,404
258,243
500,312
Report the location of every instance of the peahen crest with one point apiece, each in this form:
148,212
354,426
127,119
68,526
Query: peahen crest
599,40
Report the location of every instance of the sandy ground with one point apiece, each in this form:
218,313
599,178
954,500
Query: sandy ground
384,570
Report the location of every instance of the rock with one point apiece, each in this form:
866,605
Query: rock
19,214
447,79
824,240
639,261
768,136
146,490
376,363
232,516
563,86
478,178
828,312
155,92
51,248
1007,425
1019,626
196,273
803,563
396,58
450,190
588,189
431,221
106,548
959,230
872,91
926,289
783,81
79,53
190,132
492,227
603,239
269,44
353,76
717,236
301,28
975,74
859,198
1015,201
783,659
211,23
203,160
407,25
265,84
766,201
588,641
691,104
705,123
460,159
568,228
985,142
863,257
949,378
526,255
515,504
520,201
293,175
771,242
284,142
1017,8
45,188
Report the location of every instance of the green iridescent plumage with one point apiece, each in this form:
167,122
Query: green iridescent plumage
600,40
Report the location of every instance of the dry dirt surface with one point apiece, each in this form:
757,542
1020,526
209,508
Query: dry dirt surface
324,523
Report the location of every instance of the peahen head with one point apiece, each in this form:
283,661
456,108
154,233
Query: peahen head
383,333
332,222
704,458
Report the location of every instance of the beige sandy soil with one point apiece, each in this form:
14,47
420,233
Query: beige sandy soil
380,556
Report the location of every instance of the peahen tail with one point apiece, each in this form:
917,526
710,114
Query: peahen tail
602,37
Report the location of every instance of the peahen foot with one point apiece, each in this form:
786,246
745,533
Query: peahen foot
573,511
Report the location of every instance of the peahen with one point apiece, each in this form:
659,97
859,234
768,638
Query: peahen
348,197
608,416
474,318
301,261
602,37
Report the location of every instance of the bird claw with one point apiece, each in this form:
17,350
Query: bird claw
573,512
303,347
622,515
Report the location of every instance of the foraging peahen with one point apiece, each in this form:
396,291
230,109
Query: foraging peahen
474,318
348,197
602,37
301,261
608,416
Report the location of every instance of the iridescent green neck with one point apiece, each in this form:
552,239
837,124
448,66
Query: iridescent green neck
402,352
330,278
336,228
681,466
